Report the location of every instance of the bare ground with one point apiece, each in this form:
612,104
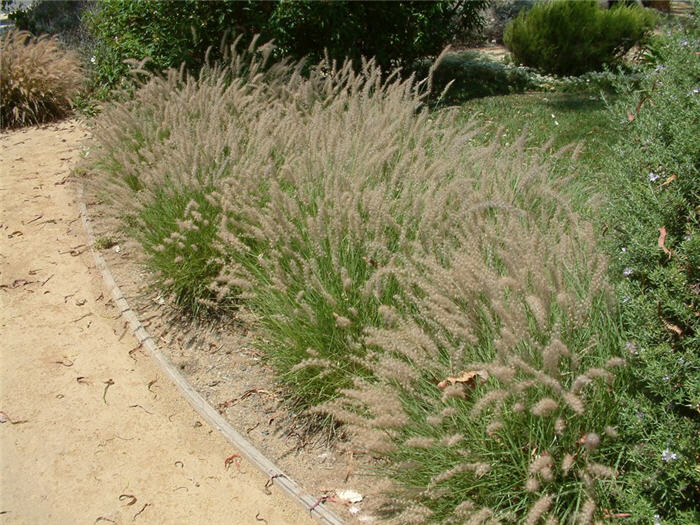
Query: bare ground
90,432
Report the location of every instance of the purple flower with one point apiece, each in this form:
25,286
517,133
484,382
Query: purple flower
653,177
667,455
627,272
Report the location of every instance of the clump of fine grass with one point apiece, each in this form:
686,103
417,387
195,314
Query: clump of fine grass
381,252
491,391
37,79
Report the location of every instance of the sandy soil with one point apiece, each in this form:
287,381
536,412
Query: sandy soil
90,432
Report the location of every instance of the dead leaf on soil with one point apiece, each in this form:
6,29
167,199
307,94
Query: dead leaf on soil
132,499
233,458
4,418
270,482
466,378
348,496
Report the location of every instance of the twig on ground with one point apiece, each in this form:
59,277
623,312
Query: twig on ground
139,512
109,383
270,482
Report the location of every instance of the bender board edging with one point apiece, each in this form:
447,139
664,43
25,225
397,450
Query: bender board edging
201,406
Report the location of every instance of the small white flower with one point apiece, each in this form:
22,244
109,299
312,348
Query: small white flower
653,177
623,249
631,347
696,90
92,59
627,272
667,455
657,519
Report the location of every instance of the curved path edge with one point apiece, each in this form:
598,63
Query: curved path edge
203,408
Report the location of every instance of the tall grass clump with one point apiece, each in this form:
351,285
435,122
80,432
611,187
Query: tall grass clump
491,390
160,155
653,235
439,298
37,79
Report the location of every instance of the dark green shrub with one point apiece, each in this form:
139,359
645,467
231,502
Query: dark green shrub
168,32
393,32
570,38
654,182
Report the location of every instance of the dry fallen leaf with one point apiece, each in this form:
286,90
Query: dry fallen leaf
351,496
467,377
662,241
233,459
132,499
669,180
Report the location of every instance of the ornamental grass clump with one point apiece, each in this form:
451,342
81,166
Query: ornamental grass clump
490,390
440,299
37,79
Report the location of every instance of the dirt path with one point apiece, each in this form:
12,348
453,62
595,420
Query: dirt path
91,431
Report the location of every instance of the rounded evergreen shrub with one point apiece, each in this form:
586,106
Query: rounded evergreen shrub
571,38
37,79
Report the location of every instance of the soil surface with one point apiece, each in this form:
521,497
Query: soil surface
90,431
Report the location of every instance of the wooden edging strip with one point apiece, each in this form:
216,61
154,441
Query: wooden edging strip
203,408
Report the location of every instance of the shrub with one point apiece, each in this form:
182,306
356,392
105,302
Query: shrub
168,32
393,32
37,79
570,38
653,234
